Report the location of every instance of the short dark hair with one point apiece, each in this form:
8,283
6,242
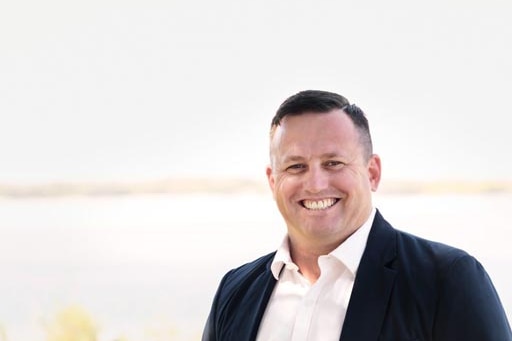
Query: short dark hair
316,101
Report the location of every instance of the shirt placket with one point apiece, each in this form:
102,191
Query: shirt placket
306,312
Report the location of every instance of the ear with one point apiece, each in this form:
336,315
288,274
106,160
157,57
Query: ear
270,178
374,172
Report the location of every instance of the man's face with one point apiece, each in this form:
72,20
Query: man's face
320,177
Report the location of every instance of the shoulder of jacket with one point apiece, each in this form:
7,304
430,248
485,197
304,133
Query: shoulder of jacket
247,273
426,250
253,268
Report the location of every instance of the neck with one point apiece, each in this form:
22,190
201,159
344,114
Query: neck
306,258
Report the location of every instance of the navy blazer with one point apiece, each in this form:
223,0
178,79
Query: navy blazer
406,289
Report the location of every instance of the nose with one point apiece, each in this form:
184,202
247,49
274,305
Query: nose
316,180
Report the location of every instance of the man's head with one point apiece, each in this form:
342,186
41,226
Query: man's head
322,169
316,101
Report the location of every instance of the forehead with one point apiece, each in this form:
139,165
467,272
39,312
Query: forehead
335,125
315,132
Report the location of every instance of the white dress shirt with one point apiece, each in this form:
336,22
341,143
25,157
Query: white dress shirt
299,311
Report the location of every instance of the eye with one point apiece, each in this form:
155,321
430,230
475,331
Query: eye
333,164
296,168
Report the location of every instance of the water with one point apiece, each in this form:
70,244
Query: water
146,267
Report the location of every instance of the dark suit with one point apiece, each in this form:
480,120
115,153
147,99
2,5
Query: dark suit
406,289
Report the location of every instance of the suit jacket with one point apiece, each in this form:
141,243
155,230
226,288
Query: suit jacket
406,289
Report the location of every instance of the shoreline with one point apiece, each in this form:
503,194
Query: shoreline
231,186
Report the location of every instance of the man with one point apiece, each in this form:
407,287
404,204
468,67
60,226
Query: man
343,272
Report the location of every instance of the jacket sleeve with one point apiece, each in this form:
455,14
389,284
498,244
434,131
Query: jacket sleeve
469,307
211,326
209,330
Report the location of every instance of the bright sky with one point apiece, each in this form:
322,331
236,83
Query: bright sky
134,90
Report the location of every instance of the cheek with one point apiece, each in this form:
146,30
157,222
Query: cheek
352,182
284,188
345,181
280,190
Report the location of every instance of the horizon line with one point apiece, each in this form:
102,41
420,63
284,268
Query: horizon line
233,185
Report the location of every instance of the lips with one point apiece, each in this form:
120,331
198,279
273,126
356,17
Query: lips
317,205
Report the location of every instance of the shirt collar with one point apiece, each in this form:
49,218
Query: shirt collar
349,252
282,259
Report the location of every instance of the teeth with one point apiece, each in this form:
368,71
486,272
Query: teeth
319,204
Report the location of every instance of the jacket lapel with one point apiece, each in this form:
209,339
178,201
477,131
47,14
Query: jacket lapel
256,308
373,285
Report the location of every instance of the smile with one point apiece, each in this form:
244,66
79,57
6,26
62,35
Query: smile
317,205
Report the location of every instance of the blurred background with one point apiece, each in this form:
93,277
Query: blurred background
134,140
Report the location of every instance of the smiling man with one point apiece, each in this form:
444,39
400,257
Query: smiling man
322,175
342,272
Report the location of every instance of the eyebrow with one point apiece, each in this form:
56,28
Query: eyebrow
293,158
296,158
330,155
